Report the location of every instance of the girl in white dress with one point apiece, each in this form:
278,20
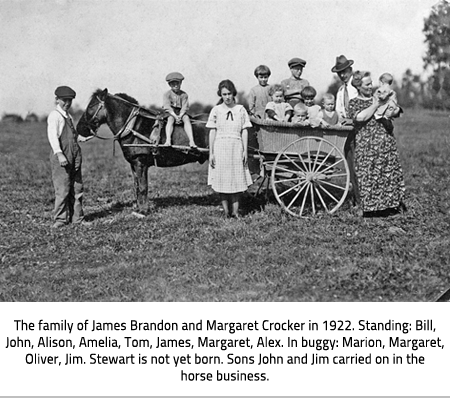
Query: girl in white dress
228,172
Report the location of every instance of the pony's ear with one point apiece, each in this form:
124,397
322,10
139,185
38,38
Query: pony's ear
103,94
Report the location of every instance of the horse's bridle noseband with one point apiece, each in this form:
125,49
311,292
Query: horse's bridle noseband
101,105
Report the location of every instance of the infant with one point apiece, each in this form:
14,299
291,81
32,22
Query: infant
389,107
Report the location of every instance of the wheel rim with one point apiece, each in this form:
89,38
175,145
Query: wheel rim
310,176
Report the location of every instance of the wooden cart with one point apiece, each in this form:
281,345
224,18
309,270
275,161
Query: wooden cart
304,166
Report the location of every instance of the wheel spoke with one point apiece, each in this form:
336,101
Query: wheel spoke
317,156
309,155
326,157
303,203
332,185
286,170
296,165
328,193
297,195
287,180
331,165
312,198
335,175
292,188
303,162
321,199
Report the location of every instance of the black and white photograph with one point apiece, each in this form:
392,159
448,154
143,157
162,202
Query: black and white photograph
224,151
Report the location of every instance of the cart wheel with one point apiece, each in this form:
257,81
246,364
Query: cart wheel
309,176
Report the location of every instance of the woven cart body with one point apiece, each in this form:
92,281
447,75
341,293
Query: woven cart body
275,136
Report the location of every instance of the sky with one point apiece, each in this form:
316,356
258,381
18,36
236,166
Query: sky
129,46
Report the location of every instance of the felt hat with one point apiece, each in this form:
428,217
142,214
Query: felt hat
65,92
174,76
297,62
341,63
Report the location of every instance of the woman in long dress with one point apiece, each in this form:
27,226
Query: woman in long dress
377,164
228,172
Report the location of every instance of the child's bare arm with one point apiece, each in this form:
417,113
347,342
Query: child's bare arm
288,115
245,146
271,114
212,138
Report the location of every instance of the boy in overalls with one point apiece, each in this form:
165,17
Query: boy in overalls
65,160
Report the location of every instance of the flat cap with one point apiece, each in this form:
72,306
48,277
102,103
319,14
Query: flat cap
297,62
174,76
65,92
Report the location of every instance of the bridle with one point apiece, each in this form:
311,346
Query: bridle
101,105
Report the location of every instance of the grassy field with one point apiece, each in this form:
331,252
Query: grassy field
186,251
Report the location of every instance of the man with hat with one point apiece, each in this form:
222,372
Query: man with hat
343,68
294,85
65,160
346,92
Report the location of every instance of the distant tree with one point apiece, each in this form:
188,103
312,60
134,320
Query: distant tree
410,91
31,117
198,108
437,38
12,118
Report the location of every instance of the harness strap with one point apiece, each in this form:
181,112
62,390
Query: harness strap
128,125
126,128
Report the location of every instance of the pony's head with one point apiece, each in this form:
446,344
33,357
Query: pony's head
105,108
95,114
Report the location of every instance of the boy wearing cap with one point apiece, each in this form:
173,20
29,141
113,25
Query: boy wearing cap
65,160
176,104
295,84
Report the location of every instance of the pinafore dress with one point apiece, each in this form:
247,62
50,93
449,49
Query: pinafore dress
229,174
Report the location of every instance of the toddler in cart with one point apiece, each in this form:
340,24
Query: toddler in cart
327,115
278,109
308,94
300,115
176,104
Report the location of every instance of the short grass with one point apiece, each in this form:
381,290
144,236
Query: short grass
185,250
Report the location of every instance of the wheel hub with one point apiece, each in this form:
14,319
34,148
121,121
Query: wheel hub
310,177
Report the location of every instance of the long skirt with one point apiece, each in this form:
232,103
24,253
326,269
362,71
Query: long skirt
229,174
378,169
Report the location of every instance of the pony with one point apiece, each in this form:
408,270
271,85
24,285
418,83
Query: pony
139,131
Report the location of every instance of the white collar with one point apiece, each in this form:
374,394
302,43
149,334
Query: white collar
62,111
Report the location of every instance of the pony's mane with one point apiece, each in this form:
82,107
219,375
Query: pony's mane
126,97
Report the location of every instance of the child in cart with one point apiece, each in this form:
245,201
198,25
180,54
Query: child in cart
308,94
278,109
327,115
176,104
259,95
300,115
